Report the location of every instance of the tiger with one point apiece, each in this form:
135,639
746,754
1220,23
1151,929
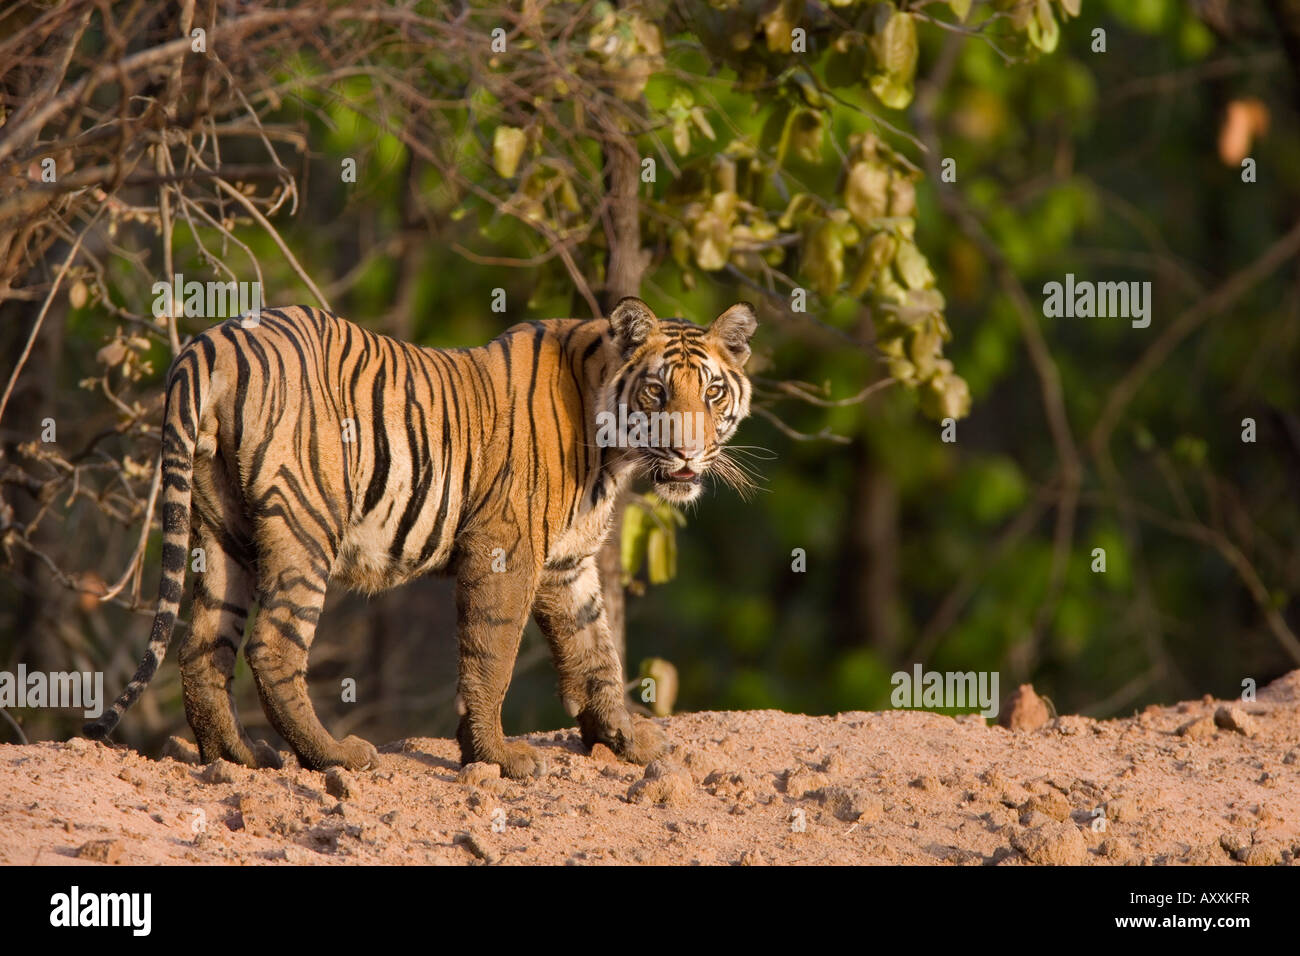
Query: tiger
301,450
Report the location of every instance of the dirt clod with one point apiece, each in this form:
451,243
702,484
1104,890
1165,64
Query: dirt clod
1051,804
1235,719
1198,729
477,774
1023,710
664,784
101,851
221,771
340,784
1052,844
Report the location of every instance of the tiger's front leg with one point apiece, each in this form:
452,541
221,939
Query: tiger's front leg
494,592
570,610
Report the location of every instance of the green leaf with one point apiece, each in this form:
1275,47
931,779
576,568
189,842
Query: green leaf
823,258
507,149
945,396
891,91
895,49
912,266
803,135
636,529
681,136
866,192
895,45
661,554
879,252
1042,29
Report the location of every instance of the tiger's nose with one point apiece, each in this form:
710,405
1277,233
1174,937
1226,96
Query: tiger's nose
690,438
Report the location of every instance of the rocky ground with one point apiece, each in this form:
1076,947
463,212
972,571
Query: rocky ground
1200,782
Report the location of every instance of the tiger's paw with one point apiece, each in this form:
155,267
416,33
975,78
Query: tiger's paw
647,743
520,761
632,738
357,754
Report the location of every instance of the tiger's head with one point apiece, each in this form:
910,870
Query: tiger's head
682,392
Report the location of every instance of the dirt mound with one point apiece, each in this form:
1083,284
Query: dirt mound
1201,782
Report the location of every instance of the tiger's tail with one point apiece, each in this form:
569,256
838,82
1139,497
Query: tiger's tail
179,437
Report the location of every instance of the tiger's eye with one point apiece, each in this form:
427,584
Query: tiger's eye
715,392
653,392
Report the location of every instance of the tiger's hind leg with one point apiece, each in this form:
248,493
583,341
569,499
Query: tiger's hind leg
570,610
222,593
291,594
223,589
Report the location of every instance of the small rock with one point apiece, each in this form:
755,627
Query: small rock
700,765
1234,841
132,777
1053,844
1236,719
221,771
1071,725
1197,729
296,855
339,784
1204,854
851,806
181,750
1032,818
926,782
1117,849
475,846
101,851
1121,809
477,774
1259,854
801,781
602,754
1292,756
1050,803
1023,710
664,784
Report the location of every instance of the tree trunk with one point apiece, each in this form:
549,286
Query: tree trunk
623,271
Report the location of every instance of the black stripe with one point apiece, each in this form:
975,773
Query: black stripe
380,477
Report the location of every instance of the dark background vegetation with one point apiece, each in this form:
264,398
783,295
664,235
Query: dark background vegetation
1082,433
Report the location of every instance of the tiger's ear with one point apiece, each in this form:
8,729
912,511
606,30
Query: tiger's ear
732,330
632,321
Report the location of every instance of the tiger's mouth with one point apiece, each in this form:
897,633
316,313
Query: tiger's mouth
682,484
683,475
